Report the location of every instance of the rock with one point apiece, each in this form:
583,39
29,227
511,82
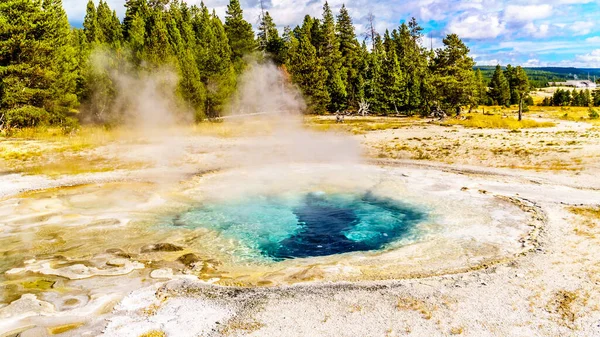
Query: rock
117,262
79,271
166,273
161,247
189,260
119,252
27,305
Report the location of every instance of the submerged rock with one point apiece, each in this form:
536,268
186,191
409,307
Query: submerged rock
161,247
117,262
189,260
78,271
166,274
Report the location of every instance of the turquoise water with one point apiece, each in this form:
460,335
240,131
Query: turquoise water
314,224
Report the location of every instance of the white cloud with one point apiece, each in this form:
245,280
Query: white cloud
594,39
581,27
592,59
487,62
527,13
479,26
536,31
532,63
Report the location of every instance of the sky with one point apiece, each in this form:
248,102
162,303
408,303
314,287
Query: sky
533,33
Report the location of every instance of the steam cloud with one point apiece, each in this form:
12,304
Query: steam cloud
265,100
266,96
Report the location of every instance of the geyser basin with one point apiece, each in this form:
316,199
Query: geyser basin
250,226
308,225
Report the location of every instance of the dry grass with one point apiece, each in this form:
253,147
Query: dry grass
496,122
589,212
564,303
414,304
590,221
154,333
235,327
235,128
360,125
48,151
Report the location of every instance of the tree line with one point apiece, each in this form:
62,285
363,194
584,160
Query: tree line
49,72
565,97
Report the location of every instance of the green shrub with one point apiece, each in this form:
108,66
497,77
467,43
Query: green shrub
26,116
593,114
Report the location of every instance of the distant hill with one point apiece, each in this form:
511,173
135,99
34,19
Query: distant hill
539,77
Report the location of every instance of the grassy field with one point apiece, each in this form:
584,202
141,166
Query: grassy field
488,136
359,125
481,121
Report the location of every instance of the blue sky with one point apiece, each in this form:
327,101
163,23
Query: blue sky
530,33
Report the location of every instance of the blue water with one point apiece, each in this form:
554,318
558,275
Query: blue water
315,224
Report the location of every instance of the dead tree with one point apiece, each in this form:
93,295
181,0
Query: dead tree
371,33
339,118
438,113
363,108
2,121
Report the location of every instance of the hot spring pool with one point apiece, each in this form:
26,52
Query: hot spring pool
308,225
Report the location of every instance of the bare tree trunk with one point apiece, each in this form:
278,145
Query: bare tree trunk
520,109
371,32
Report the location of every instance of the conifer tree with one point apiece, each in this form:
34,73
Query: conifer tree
38,65
521,88
308,73
239,31
329,51
499,87
374,92
158,49
191,88
133,8
482,95
137,38
454,76
109,28
90,23
413,61
391,78
269,40
350,53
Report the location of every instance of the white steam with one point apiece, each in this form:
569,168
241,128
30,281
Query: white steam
266,96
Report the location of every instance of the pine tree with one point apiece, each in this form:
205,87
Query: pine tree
109,28
454,76
214,59
308,72
269,40
37,63
133,8
332,59
90,23
391,78
482,94
239,31
374,92
499,87
413,61
158,49
521,88
137,38
350,52
191,88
